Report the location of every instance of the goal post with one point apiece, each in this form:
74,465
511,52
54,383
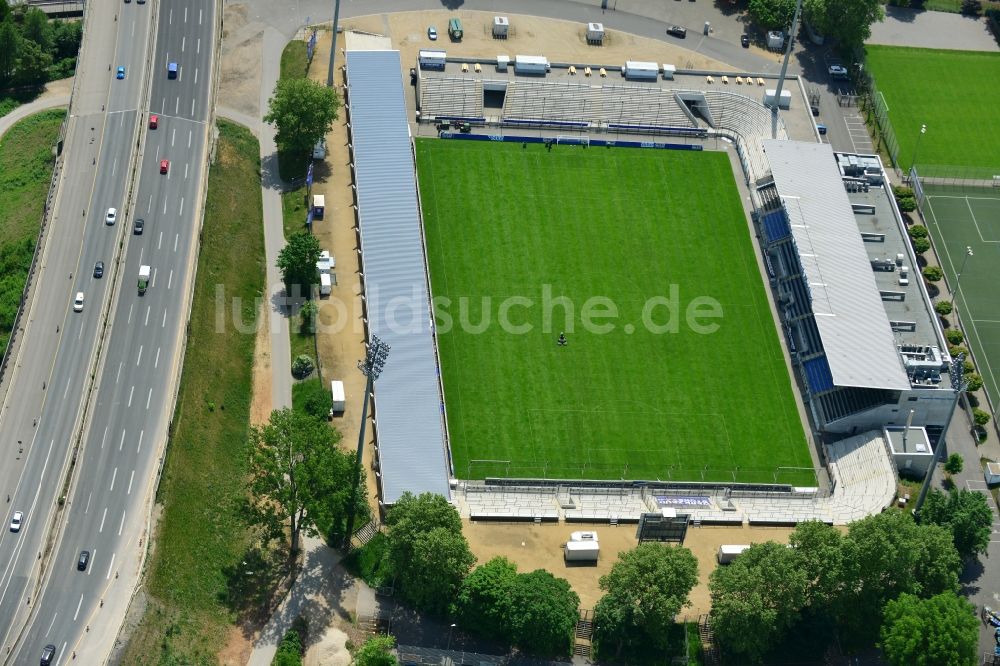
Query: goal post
573,139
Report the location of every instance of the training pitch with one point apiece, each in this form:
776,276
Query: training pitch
952,92
522,235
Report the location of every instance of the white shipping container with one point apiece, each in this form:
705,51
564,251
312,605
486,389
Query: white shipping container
325,284
729,552
581,551
337,392
524,64
784,103
500,25
595,32
431,59
669,71
635,69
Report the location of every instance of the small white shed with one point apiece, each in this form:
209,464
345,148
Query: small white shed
337,392
500,26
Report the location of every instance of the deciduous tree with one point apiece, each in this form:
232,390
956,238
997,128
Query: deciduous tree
303,112
484,598
772,14
645,589
297,263
966,514
376,651
10,50
940,631
543,613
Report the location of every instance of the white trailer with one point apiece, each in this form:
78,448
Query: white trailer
319,206
729,552
525,64
431,59
595,33
337,392
641,71
582,551
500,26
144,273
783,103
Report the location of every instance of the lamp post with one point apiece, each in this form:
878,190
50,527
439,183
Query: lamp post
333,44
370,366
958,275
450,629
923,130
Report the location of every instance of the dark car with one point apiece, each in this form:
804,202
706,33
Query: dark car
677,31
48,654
81,563
745,40
99,269
138,227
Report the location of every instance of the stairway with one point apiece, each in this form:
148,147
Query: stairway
708,646
582,645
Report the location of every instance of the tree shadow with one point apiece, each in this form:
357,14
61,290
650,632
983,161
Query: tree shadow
252,583
972,571
452,4
905,14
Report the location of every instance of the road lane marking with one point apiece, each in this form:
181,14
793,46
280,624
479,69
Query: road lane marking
190,134
185,171
121,443
114,475
192,101
163,104
89,495
93,558
131,391
141,433
122,123
66,392
173,135
53,622
78,605
164,205
130,314
128,492
198,46
176,238
184,38
80,334
111,566
139,359
114,167
199,17
159,242
103,439
157,361
163,324
149,397
177,106
103,518
170,278
146,323
170,17
121,525
180,211
185,20
149,206
133,27
196,76
119,375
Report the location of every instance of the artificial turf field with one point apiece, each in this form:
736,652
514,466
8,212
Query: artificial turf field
502,221
952,92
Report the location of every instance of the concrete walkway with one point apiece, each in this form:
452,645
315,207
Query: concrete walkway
933,30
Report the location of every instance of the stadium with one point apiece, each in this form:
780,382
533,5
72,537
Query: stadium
608,293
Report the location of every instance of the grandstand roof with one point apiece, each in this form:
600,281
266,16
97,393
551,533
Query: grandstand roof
853,325
410,423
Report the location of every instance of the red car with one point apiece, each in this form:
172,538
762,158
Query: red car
164,166
154,120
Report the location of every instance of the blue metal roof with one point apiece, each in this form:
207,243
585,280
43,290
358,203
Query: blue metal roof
818,375
409,417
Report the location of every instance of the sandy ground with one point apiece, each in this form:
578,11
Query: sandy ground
533,547
239,83
260,403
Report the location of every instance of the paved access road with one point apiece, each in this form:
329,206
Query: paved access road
126,427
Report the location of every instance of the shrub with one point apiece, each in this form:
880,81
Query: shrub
955,350
954,464
943,307
980,417
906,204
968,366
313,398
974,382
921,245
303,365
289,650
933,273
955,336
918,231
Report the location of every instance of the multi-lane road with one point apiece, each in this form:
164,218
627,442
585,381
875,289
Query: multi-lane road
132,364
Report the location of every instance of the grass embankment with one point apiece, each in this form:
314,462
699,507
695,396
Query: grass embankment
203,574
25,174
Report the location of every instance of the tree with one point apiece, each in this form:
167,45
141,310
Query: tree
966,514
820,551
757,599
377,651
427,550
10,50
33,64
645,589
289,650
917,230
933,274
308,313
299,478
297,263
66,37
312,397
981,417
943,307
543,612
36,27
483,599
973,380
772,14
940,631
303,112
954,463
921,245
302,366
848,21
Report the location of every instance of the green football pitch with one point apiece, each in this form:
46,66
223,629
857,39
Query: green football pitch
954,93
525,243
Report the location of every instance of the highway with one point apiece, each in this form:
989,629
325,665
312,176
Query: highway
126,422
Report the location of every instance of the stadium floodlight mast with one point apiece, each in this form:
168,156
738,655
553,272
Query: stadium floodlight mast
784,68
370,366
913,162
958,384
333,45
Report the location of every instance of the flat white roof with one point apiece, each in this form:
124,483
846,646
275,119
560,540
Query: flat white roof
845,299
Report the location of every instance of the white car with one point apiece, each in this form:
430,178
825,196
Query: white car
432,33
837,71
78,302
15,521
111,216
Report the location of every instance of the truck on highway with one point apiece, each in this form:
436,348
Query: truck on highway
143,279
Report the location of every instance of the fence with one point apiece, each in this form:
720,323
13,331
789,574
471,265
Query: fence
877,117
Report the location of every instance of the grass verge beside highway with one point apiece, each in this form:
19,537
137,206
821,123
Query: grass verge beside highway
25,173
203,574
